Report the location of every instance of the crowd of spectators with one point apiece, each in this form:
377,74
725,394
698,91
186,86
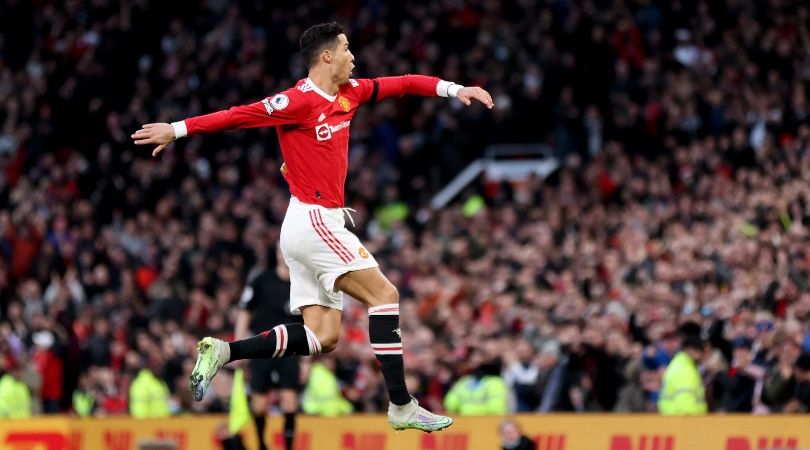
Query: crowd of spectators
683,194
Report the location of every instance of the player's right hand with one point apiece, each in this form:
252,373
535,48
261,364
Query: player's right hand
470,93
161,134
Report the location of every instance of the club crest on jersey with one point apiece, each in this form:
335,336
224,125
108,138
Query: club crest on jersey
363,253
280,102
344,103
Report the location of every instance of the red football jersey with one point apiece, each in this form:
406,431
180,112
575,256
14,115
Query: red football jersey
313,128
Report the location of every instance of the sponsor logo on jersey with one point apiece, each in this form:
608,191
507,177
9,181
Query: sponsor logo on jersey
344,103
353,82
324,131
280,102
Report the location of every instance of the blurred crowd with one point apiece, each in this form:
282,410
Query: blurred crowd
683,194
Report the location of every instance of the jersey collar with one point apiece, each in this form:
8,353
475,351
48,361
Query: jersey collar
318,90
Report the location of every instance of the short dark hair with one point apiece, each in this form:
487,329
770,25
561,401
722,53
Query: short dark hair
690,335
690,329
316,38
693,342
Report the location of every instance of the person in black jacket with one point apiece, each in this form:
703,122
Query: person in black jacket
800,403
265,303
512,438
740,381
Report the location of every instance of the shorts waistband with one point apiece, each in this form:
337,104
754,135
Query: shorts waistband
296,203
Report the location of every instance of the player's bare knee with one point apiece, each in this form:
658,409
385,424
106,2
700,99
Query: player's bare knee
329,342
389,295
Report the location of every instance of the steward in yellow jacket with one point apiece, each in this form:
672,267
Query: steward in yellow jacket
481,394
682,391
322,395
148,396
15,399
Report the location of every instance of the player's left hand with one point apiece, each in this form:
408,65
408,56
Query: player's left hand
470,93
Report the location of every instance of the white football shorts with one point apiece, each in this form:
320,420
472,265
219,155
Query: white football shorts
318,249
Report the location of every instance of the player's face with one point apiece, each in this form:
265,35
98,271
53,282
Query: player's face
343,60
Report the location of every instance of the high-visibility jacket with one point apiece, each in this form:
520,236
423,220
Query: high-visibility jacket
322,395
148,396
682,391
471,396
15,399
83,403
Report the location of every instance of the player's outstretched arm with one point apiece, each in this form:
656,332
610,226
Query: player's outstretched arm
160,134
282,109
387,87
